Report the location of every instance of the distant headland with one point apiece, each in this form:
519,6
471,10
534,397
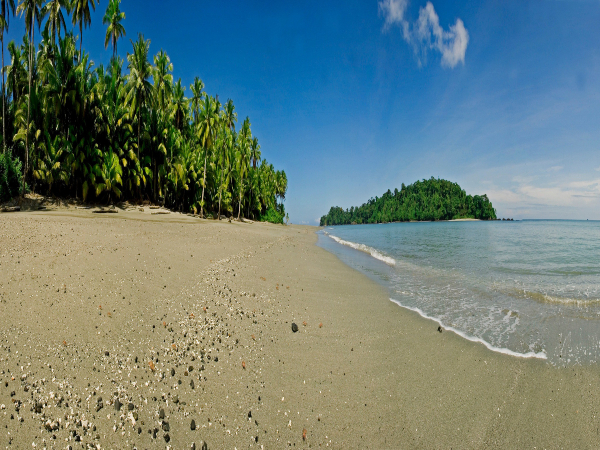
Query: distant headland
427,200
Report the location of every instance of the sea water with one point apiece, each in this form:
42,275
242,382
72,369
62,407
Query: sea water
526,288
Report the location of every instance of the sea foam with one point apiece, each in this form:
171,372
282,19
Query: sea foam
505,351
364,248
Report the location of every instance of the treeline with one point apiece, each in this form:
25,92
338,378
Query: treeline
122,132
432,199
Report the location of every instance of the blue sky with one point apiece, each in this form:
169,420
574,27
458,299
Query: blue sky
352,98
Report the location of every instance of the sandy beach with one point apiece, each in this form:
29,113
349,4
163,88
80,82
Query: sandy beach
134,330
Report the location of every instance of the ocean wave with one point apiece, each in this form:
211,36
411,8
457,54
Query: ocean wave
505,351
364,248
554,300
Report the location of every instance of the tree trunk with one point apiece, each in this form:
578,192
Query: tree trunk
220,192
3,99
28,105
240,204
203,184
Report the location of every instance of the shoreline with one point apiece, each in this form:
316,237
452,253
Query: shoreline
362,373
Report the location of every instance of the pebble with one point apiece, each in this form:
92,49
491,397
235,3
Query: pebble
165,426
118,405
294,327
193,425
161,413
130,407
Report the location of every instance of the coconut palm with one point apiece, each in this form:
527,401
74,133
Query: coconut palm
110,176
197,95
208,123
115,29
140,89
163,80
180,104
243,157
56,20
7,8
230,116
31,9
82,16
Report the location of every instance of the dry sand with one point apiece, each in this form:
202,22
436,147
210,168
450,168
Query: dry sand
88,301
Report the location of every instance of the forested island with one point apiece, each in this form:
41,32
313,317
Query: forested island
122,132
432,199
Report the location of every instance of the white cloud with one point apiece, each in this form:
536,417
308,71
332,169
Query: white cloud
393,11
426,32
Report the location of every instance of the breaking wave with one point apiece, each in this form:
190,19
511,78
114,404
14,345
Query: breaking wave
364,248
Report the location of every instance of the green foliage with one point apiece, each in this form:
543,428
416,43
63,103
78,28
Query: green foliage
275,214
126,131
432,199
10,177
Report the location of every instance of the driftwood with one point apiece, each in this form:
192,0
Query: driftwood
105,211
153,207
10,209
246,220
161,212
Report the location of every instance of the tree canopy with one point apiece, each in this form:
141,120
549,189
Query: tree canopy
126,131
432,199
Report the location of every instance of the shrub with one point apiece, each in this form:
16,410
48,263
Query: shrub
10,177
274,215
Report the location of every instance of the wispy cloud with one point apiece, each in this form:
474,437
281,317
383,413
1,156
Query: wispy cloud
426,33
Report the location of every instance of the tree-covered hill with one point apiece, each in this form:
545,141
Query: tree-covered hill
432,199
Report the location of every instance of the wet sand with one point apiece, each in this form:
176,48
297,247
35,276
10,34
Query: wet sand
193,318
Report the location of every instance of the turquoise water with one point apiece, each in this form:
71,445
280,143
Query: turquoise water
526,288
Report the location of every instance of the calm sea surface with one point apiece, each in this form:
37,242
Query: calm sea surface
526,288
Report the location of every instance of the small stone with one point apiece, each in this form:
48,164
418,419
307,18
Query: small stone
294,327
161,414
249,414
172,372
440,329
165,426
118,405
139,430
167,437
193,425
106,353
130,407
190,369
204,446
192,384
176,399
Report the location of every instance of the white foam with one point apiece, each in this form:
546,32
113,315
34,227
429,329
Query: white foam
364,248
506,351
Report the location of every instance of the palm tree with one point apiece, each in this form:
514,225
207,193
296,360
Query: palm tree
115,29
197,95
163,80
230,116
254,152
82,16
7,7
244,157
207,128
110,175
255,157
140,89
180,104
56,20
31,9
